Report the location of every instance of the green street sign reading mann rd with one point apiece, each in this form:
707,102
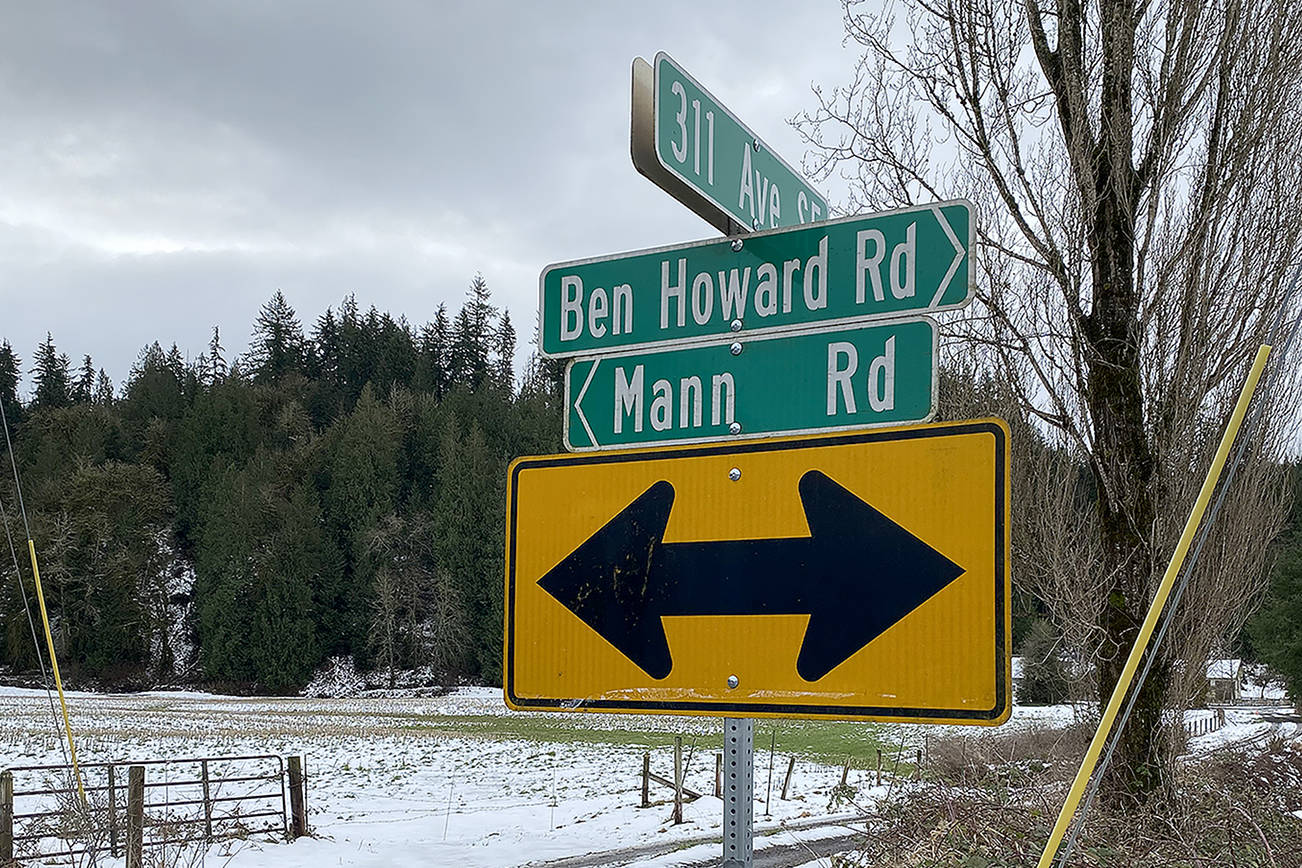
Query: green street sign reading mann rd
855,269
779,384
680,128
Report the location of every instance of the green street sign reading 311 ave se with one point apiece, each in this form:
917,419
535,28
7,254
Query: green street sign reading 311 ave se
681,129
856,269
824,380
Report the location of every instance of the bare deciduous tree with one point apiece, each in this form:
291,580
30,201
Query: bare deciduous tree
1135,166
417,618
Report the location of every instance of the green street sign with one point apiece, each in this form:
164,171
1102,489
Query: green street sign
804,382
698,151
856,269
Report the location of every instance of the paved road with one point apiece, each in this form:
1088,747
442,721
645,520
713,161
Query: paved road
776,855
789,855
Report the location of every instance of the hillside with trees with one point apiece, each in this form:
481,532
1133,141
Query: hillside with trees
337,491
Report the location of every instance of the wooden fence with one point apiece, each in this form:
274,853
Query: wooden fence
1204,724
150,804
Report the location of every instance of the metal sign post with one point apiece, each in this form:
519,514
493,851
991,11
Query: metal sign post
738,792
847,576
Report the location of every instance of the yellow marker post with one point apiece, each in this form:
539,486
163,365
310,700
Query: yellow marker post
54,664
1154,612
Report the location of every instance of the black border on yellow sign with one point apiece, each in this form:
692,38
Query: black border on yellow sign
752,709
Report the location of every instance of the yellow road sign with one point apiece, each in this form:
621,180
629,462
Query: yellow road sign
857,576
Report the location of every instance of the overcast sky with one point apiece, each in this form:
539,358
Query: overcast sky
165,167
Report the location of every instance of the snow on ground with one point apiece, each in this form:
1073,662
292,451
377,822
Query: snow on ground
415,780
1260,684
1242,726
459,779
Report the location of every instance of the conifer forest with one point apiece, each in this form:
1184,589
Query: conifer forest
337,491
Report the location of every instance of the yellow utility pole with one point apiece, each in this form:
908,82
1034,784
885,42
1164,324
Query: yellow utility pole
1154,613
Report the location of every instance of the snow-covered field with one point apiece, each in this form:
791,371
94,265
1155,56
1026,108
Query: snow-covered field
459,780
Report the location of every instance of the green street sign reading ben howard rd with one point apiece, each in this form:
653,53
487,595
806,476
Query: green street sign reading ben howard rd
781,384
681,129
856,269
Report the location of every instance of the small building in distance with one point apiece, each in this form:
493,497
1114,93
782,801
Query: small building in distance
1224,680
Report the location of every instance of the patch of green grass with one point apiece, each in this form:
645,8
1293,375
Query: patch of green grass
537,727
823,741
830,741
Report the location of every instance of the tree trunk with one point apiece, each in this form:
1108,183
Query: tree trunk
1124,467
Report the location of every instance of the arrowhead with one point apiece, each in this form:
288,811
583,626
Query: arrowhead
578,402
869,575
605,581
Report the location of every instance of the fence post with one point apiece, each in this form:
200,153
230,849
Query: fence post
207,801
678,780
768,788
113,812
646,780
135,816
786,782
6,819
879,767
298,824
718,775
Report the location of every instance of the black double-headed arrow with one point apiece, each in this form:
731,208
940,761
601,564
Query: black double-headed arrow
856,575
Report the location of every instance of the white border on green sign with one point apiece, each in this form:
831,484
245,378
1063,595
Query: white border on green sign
750,435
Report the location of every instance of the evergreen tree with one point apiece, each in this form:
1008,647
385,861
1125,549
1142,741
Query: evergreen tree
472,337
223,427
201,371
103,395
154,391
504,369
294,561
1276,630
359,486
543,375
261,558
325,338
356,356
53,380
1044,676
482,312
277,345
176,363
395,354
84,387
107,567
432,360
464,366
10,373
216,358
483,315
54,444
470,499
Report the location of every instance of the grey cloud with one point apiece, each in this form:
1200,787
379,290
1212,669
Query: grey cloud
166,166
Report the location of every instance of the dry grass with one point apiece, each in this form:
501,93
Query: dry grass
990,802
